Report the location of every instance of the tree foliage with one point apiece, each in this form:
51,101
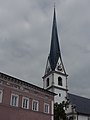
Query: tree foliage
59,111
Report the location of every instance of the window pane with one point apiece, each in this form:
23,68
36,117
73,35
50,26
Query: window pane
46,108
14,100
35,106
25,103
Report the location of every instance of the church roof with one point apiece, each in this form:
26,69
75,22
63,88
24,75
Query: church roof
81,104
55,52
54,49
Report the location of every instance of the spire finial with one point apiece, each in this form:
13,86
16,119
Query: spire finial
54,4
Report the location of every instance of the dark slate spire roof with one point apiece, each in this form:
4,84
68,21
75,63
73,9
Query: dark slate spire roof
55,53
81,104
54,50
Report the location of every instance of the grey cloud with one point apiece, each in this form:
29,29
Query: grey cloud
25,34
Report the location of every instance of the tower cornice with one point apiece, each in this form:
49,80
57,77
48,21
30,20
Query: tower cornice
53,86
54,71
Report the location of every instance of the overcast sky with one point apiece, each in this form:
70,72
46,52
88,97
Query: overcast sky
25,35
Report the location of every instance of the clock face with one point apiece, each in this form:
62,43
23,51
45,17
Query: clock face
59,67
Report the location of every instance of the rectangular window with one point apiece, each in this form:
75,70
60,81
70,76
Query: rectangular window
46,108
14,100
25,102
35,105
1,95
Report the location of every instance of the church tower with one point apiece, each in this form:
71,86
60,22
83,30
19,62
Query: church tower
55,77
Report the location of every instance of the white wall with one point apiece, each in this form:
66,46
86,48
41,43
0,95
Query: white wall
69,110
50,81
53,80
82,117
63,80
60,89
61,98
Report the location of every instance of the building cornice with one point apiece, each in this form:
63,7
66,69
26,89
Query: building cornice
9,78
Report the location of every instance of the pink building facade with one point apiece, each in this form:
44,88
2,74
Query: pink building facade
20,100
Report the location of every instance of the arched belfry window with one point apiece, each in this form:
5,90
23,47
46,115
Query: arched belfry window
60,81
47,82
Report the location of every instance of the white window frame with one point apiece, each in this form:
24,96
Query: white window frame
27,104
33,107
17,100
46,110
1,95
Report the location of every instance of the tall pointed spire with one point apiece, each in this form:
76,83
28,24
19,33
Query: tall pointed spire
54,49
55,53
54,62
